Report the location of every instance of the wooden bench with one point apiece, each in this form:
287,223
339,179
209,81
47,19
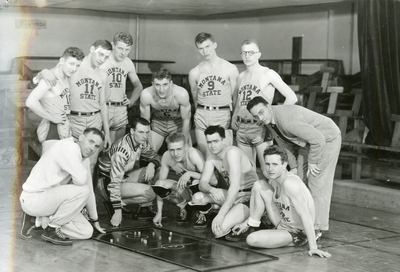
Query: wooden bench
355,151
343,116
324,88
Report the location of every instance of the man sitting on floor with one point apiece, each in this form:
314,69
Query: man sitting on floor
287,202
235,178
187,162
59,187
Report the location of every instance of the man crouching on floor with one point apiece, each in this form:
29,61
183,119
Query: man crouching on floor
236,176
59,187
123,180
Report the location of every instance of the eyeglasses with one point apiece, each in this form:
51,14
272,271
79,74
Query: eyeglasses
249,53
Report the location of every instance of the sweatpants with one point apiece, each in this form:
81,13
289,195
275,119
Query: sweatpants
63,205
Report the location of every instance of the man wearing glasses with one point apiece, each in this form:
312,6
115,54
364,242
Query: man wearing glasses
257,80
212,83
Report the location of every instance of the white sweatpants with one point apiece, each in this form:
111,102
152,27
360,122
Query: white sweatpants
63,205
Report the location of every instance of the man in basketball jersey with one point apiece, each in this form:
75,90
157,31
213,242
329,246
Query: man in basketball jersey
88,105
289,205
52,103
212,83
257,80
187,162
235,178
167,106
118,67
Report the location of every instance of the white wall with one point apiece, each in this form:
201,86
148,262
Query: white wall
326,32
173,39
64,28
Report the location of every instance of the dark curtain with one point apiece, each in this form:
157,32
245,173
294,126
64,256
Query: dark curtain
379,44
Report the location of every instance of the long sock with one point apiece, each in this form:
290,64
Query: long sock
203,208
253,222
182,204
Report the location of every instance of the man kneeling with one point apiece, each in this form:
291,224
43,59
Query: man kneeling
59,187
289,205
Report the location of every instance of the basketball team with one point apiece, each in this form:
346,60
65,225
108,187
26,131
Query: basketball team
90,145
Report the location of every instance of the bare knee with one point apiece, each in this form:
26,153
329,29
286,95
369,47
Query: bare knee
166,183
252,240
257,186
199,198
149,194
161,182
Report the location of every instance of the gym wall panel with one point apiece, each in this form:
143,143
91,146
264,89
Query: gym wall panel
326,31
173,39
64,28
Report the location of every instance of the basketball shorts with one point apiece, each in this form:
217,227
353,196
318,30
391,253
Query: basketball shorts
251,134
299,237
243,196
80,123
205,118
164,127
50,131
117,117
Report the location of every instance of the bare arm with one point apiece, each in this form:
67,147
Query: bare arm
299,200
48,76
234,162
33,102
145,102
204,184
271,208
137,87
235,124
164,168
233,75
197,159
104,111
193,74
282,87
183,99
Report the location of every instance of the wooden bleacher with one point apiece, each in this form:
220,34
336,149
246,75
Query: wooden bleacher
350,122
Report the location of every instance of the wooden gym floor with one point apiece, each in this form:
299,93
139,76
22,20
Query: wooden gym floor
359,239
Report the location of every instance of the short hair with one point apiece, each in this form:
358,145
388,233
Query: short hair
255,101
95,131
123,37
139,120
251,41
276,150
103,44
215,129
203,36
74,52
161,74
175,137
